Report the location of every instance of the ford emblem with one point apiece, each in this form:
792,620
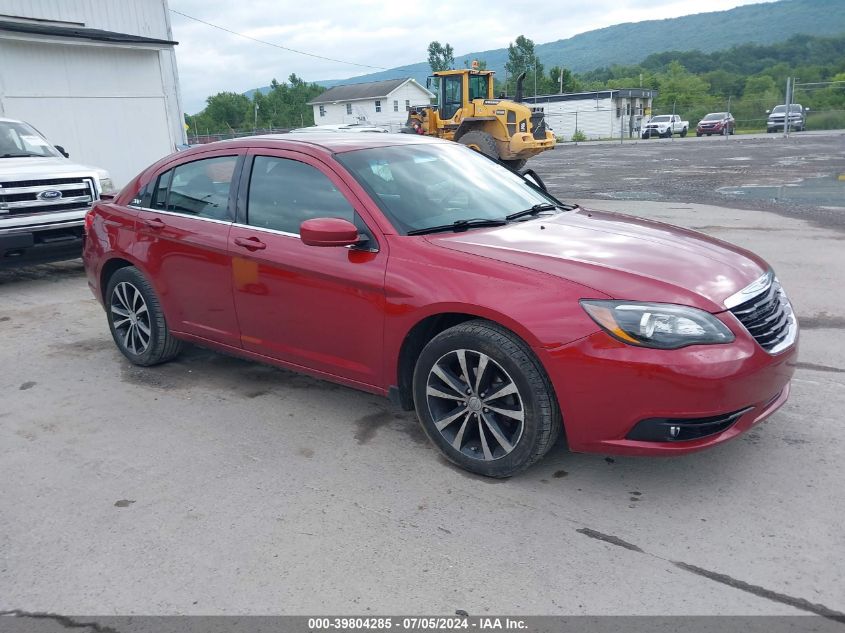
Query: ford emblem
49,194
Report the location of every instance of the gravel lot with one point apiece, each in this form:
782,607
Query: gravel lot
213,485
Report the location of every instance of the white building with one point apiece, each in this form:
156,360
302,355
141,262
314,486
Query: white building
382,103
95,76
601,114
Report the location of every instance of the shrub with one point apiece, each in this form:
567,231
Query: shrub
579,136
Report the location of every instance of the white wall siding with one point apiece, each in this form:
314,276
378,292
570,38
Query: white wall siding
137,17
112,105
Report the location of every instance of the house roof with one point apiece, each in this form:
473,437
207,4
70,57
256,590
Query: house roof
356,92
80,33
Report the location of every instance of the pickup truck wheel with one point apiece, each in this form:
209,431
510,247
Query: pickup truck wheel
481,142
683,132
136,319
668,133
484,400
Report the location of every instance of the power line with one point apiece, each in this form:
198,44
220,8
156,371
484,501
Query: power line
284,48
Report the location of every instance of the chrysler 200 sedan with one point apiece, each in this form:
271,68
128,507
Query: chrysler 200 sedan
417,269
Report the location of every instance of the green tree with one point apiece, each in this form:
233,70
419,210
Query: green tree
521,58
440,57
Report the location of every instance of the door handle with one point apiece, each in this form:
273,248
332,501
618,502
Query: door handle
250,243
154,223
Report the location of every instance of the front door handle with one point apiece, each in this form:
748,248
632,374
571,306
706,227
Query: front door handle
250,243
154,223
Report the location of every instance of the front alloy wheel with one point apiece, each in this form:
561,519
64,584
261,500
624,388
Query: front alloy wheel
475,405
484,399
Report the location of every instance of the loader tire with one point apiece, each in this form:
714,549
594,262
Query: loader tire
481,142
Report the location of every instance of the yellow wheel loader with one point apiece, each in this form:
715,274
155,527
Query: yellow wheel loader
467,113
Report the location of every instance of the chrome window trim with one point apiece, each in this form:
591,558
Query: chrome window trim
296,236
755,288
180,215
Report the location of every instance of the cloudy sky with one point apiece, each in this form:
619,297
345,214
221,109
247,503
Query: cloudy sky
372,33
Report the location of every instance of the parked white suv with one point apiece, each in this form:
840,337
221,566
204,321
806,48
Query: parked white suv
43,197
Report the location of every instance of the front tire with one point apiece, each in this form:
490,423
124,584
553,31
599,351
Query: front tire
484,400
137,321
481,142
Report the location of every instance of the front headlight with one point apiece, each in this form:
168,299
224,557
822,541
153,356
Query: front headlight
657,325
106,185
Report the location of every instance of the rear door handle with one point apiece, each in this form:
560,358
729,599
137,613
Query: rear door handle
250,243
154,223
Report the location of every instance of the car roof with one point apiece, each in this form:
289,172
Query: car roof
333,142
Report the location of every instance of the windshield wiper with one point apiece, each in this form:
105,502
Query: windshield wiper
17,155
539,208
459,225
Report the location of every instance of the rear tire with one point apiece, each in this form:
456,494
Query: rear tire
494,434
683,132
137,321
481,142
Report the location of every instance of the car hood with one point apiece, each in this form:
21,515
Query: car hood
36,167
619,256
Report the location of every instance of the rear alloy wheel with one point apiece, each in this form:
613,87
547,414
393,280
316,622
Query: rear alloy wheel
481,142
136,320
683,132
484,400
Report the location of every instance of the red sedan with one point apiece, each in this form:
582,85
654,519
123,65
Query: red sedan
417,269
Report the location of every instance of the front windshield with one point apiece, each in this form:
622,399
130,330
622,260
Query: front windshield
17,139
427,185
716,116
660,118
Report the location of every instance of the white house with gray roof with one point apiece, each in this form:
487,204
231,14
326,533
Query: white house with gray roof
382,103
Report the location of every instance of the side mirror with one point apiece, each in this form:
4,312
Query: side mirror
62,151
806,109
768,111
328,232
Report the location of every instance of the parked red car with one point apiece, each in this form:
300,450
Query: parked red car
417,269
716,123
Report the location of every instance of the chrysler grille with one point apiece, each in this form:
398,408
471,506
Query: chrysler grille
768,317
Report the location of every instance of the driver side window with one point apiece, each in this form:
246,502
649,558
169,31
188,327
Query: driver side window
283,193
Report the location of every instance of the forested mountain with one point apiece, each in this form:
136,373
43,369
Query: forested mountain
631,43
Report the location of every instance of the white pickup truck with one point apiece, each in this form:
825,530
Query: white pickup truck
43,197
665,125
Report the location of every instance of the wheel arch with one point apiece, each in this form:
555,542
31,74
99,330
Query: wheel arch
425,329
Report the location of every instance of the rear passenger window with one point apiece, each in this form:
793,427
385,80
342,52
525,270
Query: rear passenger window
283,193
199,188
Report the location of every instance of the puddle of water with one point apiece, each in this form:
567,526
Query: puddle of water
826,191
633,195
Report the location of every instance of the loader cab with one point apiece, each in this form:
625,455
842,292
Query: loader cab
456,88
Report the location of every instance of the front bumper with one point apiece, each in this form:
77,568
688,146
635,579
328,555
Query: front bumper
49,241
524,145
606,388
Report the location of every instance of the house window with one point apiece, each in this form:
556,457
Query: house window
348,108
407,104
322,110
378,106
618,111
628,108
395,106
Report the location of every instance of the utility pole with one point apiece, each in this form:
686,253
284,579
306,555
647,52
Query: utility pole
727,129
561,81
788,104
535,80
255,118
